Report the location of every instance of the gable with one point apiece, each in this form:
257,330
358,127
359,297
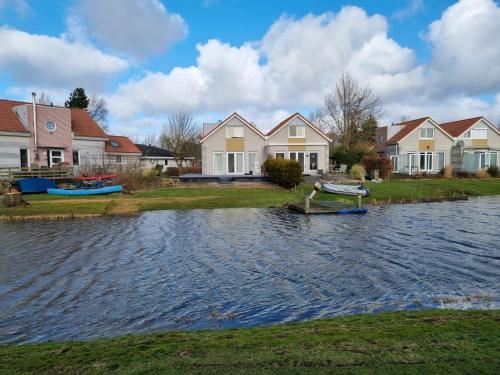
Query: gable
411,130
233,120
281,130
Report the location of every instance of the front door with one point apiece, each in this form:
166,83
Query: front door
298,156
23,154
313,162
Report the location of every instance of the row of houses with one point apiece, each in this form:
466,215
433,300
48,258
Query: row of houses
236,146
46,135
423,145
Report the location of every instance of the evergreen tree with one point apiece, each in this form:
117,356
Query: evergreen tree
77,99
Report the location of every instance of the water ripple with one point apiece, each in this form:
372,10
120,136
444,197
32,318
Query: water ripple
242,267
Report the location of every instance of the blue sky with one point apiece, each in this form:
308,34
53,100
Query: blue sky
149,58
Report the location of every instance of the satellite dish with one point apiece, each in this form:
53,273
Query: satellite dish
461,143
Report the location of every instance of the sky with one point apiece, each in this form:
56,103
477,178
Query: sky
264,59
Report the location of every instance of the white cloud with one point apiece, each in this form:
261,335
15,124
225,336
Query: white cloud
414,6
53,62
295,63
466,53
137,27
21,7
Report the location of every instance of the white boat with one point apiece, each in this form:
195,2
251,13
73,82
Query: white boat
345,189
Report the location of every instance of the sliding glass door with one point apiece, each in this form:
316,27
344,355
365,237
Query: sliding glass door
235,163
218,163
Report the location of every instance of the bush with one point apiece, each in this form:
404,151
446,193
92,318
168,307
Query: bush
383,165
481,173
134,178
352,155
185,170
463,174
286,173
173,171
493,171
446,172
357,172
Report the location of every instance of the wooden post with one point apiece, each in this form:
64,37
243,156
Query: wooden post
359,201
307,205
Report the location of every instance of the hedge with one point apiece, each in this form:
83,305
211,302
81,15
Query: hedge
286,173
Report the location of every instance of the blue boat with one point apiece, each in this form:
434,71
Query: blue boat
35,185
352,211
79,192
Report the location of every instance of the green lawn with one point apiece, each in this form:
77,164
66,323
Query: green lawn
239,196
433,341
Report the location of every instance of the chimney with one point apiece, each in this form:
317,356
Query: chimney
35,131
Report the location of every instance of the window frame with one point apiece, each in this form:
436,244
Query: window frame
281,153
426,135
236,153
233,128
303,127
395,165
77,157
428,158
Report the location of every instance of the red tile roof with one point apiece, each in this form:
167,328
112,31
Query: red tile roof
457,128
84,125
9,120
124,145
409,126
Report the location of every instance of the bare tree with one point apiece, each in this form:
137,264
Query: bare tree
98,110
44,98
151,139
179,136
347,110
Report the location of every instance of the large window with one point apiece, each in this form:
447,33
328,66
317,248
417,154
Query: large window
426,133
476,133
251,161
298,156
493,159
395,163
441,160
480,160
296,131
234,131
235,162
218,163
55,157
426,160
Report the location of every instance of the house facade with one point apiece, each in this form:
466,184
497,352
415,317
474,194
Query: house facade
47,136
236,146
424,146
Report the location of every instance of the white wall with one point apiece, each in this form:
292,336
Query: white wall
9,150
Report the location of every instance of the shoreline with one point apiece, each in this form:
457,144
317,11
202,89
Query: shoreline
425,341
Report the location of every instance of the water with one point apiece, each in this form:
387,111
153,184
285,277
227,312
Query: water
242,267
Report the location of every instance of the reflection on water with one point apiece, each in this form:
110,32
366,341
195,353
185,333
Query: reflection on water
241,267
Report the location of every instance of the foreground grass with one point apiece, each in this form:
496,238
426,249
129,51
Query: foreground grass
433,341
238,196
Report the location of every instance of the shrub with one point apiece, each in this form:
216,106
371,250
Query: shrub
446,172
185,170
463,174
352,155
134,178
383,165
173,171
481,173
493,171
286,173
357,172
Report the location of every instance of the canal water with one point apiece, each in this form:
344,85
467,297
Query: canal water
194,269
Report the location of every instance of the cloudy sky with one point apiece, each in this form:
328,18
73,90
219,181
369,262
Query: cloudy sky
148,58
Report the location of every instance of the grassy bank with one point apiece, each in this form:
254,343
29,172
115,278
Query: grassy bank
403,342
187,197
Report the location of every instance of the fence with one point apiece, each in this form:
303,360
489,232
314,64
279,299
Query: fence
9,174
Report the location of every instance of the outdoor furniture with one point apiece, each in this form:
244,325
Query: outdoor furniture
338,169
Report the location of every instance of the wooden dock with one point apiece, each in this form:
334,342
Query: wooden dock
327,207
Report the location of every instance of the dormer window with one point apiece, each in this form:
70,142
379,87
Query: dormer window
426,133
296,131
234,132
114,144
